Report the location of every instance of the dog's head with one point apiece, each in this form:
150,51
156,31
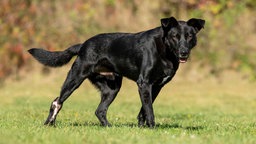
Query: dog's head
180,36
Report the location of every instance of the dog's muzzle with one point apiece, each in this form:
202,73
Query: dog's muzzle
183,55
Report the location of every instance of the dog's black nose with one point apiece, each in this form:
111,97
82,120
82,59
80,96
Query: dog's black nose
183,53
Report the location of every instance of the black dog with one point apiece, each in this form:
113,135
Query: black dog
150,58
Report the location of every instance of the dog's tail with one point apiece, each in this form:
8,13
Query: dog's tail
56,58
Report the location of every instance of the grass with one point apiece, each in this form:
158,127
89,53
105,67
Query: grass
196,112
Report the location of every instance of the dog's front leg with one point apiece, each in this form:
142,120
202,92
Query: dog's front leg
141,116
145,91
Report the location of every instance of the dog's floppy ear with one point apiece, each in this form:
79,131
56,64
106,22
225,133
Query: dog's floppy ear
198,24
168,23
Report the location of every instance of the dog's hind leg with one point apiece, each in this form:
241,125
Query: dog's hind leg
78,73
109,89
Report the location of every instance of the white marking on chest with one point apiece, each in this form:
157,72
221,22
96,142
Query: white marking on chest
165,79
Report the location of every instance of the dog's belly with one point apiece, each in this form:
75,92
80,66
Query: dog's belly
129,71
106,73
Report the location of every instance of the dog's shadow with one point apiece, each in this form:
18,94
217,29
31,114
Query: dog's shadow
133,125
178,126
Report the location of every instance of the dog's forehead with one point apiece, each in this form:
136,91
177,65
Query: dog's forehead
182,22
183,27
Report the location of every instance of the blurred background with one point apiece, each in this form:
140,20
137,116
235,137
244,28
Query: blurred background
210,100
226,46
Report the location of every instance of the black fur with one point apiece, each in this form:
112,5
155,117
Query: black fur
150,58
57,58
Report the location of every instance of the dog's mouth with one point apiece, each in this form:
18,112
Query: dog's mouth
183,59
183,56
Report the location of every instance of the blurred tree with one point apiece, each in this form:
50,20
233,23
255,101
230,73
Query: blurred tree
225,44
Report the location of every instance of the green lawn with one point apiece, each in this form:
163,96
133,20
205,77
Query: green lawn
205,112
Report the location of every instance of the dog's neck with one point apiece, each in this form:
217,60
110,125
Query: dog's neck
165,50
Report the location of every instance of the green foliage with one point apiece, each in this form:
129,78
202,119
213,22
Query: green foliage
55,25
229,28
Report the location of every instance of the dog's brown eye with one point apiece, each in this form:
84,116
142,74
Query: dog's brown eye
189,36
175,36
